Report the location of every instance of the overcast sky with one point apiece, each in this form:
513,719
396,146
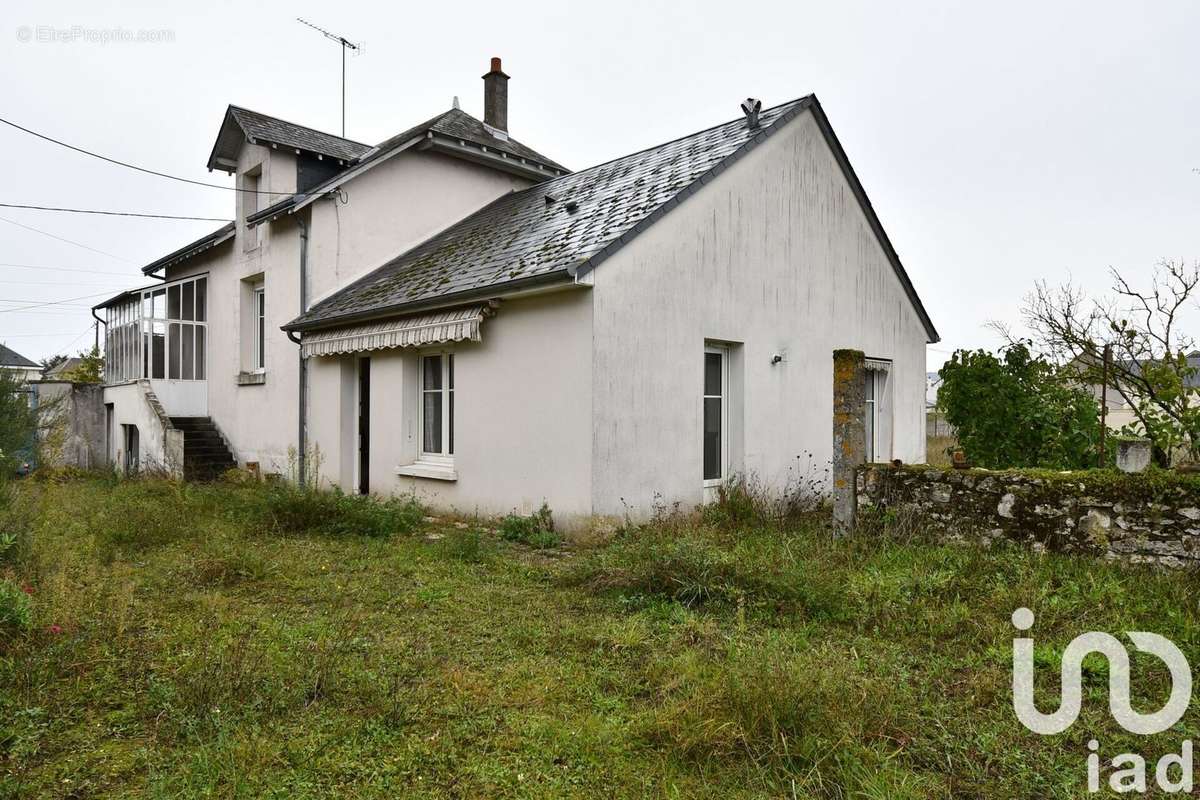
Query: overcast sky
998,145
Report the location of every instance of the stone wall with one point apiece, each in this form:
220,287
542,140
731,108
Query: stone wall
1151,517
71,424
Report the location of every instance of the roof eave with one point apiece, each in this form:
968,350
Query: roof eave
492,157
217,237
543,280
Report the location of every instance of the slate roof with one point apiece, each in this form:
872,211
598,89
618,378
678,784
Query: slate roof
564,226
264,128
454,124
11,358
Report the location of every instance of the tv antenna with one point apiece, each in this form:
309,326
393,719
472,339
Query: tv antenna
346,45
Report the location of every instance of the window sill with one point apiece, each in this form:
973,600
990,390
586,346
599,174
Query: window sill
251,378
437,472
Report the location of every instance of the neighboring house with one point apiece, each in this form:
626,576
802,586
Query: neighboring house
1120,414
465,318
17,365
62,368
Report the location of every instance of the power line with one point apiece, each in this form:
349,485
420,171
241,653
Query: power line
65,301
66,269
135,166
61,239
54,283
112,213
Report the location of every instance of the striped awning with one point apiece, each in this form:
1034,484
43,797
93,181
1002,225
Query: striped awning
878,365
419,330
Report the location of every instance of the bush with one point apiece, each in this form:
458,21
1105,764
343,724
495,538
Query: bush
16,610
537,530
290,509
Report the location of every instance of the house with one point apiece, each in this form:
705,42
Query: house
14,364
452,313
62,368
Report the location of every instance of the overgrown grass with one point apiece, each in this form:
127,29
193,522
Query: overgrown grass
252,641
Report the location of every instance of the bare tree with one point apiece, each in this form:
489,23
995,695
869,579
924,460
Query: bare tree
1150,369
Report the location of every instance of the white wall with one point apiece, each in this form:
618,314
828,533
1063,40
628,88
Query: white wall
774,254
522,413
389,209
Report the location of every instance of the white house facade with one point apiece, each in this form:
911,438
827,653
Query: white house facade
453,314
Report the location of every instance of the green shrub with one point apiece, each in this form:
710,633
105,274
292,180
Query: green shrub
16,610
290,509
537,530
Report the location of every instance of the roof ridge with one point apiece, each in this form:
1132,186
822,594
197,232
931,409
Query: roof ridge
673,141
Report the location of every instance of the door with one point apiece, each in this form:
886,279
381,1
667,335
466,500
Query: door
364,426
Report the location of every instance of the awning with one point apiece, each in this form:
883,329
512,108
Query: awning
418,330
878,365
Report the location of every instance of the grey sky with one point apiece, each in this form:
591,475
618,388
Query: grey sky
998,144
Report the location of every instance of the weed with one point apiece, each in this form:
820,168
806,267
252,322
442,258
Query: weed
536,530
16,609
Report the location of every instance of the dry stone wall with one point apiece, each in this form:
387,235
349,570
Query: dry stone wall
1151,517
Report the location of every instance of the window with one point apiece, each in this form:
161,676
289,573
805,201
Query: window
259,359
716,387
249,198
158,333
437,407
877,416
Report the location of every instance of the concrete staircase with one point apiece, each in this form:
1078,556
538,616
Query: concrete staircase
205,454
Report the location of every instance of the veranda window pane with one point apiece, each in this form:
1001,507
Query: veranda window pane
160,304
173,352
200,330
188,354
201,299
712,437
173,302
158,358
188,300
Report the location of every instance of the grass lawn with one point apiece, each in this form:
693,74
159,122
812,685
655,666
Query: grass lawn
237,641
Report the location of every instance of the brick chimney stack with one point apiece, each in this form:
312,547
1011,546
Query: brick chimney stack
495,97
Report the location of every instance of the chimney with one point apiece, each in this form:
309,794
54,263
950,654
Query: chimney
495,97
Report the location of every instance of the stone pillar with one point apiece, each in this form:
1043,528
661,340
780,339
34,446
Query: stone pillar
1133,455
849,433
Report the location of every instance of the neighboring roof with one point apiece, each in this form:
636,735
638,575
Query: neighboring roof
64,366
242,123
11,358
564,227
455,133
221,234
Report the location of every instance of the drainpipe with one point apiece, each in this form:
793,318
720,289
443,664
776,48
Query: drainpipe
302,398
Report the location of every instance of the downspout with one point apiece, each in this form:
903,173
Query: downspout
302,393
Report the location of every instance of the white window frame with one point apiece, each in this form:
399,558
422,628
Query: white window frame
877,409
714,483
871,415
446,457
258,357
